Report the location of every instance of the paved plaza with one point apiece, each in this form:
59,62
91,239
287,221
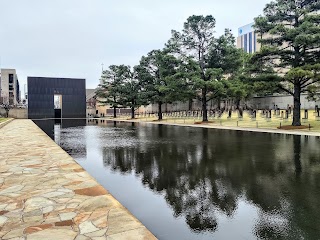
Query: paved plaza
45,194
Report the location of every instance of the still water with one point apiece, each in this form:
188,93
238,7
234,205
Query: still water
196,183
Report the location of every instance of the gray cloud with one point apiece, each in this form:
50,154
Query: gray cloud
71,38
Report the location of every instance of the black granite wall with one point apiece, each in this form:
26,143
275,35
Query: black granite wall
41,93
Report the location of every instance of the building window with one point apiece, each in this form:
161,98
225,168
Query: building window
254,42
250,42
246,43
10,78
11,98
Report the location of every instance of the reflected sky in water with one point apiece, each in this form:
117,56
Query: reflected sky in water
196,183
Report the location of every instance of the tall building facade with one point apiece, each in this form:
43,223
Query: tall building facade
10,88
248,39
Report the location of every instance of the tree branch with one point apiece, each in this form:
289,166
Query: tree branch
213,96
310,83
286,90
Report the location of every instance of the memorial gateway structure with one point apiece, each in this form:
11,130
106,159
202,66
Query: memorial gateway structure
56,98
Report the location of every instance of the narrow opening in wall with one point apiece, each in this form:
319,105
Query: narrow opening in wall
57,106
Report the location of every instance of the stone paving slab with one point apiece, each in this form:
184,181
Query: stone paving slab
45,194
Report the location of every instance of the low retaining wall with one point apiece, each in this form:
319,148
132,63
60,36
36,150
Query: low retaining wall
269,102
18,113
2,124
281,101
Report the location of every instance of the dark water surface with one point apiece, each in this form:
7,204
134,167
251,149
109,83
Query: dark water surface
196,183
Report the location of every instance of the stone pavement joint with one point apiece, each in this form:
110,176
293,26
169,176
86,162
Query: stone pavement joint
45,194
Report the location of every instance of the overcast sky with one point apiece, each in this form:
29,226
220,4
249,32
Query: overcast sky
72,38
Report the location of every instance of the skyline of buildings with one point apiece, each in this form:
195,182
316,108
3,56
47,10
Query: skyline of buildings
10,93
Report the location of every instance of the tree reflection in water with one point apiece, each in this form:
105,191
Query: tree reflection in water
203,173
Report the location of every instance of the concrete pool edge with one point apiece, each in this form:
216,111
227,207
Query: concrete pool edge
45,193
258,130
6,122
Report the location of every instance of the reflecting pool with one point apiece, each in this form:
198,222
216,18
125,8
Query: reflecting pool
197,183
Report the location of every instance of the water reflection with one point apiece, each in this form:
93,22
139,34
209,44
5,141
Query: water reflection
203,173
267,185
55,128
297,154
47,126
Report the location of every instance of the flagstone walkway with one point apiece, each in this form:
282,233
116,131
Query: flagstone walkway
45,194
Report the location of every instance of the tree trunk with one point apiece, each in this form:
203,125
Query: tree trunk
204,105
132,108
190,104
114,112
297,106
219,103
114,108
159,111
237,104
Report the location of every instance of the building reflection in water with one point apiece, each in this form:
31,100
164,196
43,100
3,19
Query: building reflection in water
57,129
206,175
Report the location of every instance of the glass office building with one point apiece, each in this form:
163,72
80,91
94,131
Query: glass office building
247,39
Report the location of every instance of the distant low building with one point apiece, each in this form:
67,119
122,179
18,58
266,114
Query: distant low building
91,98
9,85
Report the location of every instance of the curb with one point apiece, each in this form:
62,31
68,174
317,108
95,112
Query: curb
6,122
